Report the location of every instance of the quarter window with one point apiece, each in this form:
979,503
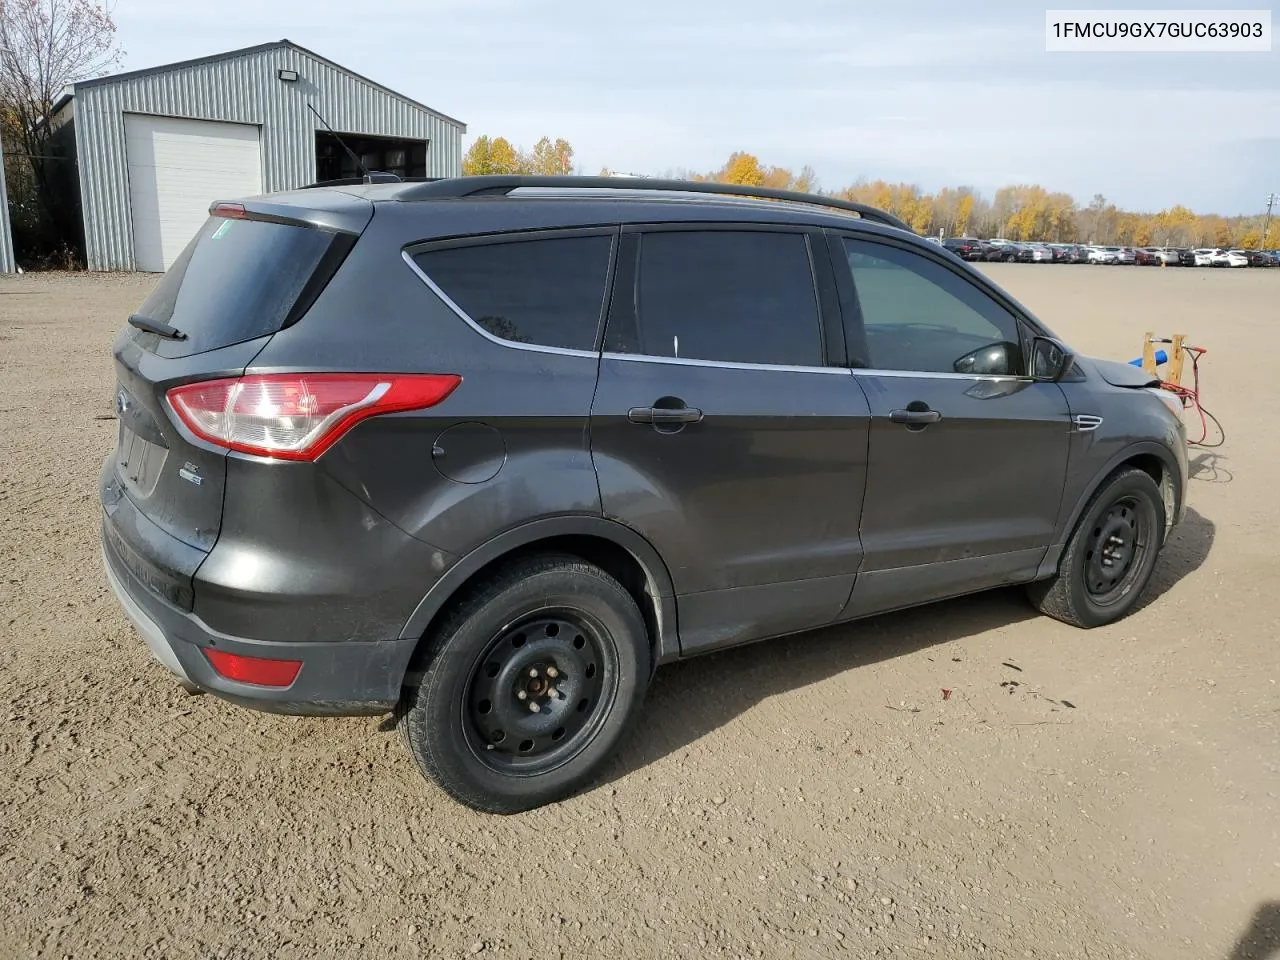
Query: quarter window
920,316
733,296
545,290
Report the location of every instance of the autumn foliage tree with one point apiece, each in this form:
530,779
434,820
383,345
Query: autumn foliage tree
1027,212
44,46
497,155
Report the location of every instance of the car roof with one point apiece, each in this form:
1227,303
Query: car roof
554,206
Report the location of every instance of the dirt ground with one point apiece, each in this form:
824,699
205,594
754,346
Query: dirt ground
1111,793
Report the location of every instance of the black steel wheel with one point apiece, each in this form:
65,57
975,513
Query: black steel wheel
528,684
1117,546
1108,561
539,692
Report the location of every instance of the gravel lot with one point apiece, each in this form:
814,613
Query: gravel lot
1111,793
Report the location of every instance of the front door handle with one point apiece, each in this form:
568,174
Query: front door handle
664,416
914,417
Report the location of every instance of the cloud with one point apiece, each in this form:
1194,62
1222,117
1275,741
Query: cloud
932,92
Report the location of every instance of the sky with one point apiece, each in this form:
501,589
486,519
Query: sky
929,92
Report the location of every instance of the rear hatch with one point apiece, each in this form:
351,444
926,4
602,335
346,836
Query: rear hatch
246,275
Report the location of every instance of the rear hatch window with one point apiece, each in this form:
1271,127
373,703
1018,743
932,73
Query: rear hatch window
240,279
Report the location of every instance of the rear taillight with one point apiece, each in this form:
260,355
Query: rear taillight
259,671
298,416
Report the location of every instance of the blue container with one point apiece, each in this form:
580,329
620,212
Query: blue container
1162,356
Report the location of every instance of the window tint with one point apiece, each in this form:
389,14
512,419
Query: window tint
918,315
546,291
237,280
731,296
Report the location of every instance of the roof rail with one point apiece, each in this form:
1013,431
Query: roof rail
503,184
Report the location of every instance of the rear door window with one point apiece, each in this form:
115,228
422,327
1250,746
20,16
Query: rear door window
541,290
241,279
735,296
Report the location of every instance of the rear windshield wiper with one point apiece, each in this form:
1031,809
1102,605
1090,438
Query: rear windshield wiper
156,327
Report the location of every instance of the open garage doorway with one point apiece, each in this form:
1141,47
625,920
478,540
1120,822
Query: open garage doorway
404,158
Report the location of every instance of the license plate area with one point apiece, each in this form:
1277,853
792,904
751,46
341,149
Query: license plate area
140,462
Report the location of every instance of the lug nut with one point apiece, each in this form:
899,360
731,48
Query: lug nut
533,708
521,695
533,672
552,672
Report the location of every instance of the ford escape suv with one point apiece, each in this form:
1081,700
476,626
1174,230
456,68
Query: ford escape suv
486,451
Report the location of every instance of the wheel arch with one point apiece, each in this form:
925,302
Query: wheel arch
1154,459
615,548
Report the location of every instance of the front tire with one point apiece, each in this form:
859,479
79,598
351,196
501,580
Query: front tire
1110,556
533,680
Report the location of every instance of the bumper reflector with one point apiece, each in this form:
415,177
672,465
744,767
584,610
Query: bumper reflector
256,670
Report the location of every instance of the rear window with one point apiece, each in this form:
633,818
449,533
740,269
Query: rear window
540,290
238,280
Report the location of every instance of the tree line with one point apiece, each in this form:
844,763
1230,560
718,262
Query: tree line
1017,212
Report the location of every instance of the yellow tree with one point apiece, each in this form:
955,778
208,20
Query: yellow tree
964,211
806,181
1175,225
489,156
742,168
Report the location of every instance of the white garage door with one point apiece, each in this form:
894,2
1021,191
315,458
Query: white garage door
176,169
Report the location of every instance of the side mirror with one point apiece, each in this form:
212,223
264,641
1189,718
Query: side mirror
995,359
1050,360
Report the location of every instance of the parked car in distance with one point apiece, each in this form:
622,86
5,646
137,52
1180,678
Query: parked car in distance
1168,256
1002,250
1062,252
1146,257
1125,255
1253,258
1107,255
1186,258
1204,256
493,454
966,248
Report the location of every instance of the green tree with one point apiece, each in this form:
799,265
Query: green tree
491,156
549,158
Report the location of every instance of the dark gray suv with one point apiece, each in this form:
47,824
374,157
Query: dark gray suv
486,451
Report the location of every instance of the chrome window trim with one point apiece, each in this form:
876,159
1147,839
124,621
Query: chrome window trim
942,375
448,302
723,364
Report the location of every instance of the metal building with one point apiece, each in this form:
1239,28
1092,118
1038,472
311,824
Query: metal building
153,148
6,237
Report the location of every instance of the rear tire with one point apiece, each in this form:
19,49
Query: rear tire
533,680
1109,558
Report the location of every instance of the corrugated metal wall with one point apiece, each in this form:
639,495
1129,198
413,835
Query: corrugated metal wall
6,238
241,89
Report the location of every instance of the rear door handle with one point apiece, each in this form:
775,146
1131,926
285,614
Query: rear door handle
664,416
915,418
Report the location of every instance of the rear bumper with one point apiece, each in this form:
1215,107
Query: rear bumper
343,678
